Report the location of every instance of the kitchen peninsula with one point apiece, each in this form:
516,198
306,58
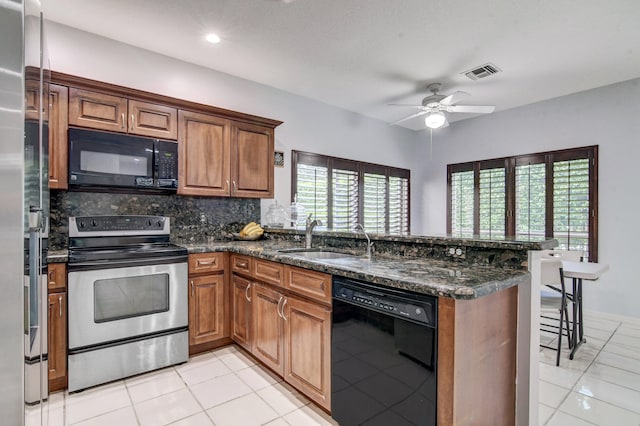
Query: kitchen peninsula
476,282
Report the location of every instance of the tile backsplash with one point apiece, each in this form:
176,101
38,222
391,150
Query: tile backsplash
193,219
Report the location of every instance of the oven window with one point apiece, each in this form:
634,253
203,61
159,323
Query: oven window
119,298
116,164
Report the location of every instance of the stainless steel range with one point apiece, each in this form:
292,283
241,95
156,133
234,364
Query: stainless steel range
128,298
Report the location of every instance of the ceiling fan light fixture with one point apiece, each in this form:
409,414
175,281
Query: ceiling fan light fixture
435,120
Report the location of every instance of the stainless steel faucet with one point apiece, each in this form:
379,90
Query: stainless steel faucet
308,233
369,243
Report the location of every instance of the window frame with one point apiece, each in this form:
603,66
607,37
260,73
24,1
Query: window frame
510,163
362,167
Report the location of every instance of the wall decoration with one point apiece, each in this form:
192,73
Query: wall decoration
278,159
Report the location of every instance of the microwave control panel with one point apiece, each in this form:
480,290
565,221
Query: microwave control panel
166,163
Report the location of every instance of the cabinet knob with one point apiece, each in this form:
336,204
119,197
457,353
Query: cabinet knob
124,121
235,187
60,306
192,288
133,122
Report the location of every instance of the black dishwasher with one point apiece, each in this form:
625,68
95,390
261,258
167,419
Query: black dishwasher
383,355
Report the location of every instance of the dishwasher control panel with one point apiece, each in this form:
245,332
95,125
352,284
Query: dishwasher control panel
416,307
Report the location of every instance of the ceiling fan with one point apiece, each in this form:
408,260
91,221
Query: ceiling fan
436,106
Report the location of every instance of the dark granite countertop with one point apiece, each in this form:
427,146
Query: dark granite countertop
436,277
430,276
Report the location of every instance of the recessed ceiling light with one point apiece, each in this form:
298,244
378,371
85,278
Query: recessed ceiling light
213,38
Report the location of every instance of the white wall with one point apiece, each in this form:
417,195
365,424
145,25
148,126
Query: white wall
608,117
308,125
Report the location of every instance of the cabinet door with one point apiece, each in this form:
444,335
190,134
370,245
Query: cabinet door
206,309
157,121
308,349
57,341
58,145
241,311
97,110
252,161
203,152
268,332
57,277
32,99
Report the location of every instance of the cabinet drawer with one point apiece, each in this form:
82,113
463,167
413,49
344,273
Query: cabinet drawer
206,262
268,272
304,282
241,264
57,277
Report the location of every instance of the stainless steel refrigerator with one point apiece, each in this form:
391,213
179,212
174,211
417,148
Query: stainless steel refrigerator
11,211
24,202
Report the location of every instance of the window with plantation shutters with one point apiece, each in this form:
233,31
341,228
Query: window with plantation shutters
551,194
492,202
461,210
313,190
348,192
345,199
530,211
375,202
571,204
398,205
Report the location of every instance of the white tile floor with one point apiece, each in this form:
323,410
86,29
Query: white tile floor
601,386
226,387
222,387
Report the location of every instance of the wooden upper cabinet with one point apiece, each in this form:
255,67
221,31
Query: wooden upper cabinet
203,152
58,141
252,161
97,110
31,99
153,120
119,114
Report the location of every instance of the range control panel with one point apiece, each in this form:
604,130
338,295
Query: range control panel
87,226
418,308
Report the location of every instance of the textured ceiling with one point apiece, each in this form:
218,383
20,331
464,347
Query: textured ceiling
361,55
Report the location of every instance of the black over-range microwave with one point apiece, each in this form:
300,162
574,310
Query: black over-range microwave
113,160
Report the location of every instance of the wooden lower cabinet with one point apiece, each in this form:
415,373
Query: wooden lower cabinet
206,308
57,341
268,327
241,311
307,363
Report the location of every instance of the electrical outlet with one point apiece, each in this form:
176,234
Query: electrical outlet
458,252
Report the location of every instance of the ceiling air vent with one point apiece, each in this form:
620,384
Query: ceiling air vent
482,71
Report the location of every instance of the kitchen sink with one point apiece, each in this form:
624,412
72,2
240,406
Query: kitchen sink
317,254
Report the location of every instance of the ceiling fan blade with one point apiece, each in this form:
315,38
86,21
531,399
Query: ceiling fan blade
407,105
476,109
417,114
453,98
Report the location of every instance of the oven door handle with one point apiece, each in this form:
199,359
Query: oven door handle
110,264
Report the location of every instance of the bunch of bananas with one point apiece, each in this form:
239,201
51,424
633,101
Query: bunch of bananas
251,229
